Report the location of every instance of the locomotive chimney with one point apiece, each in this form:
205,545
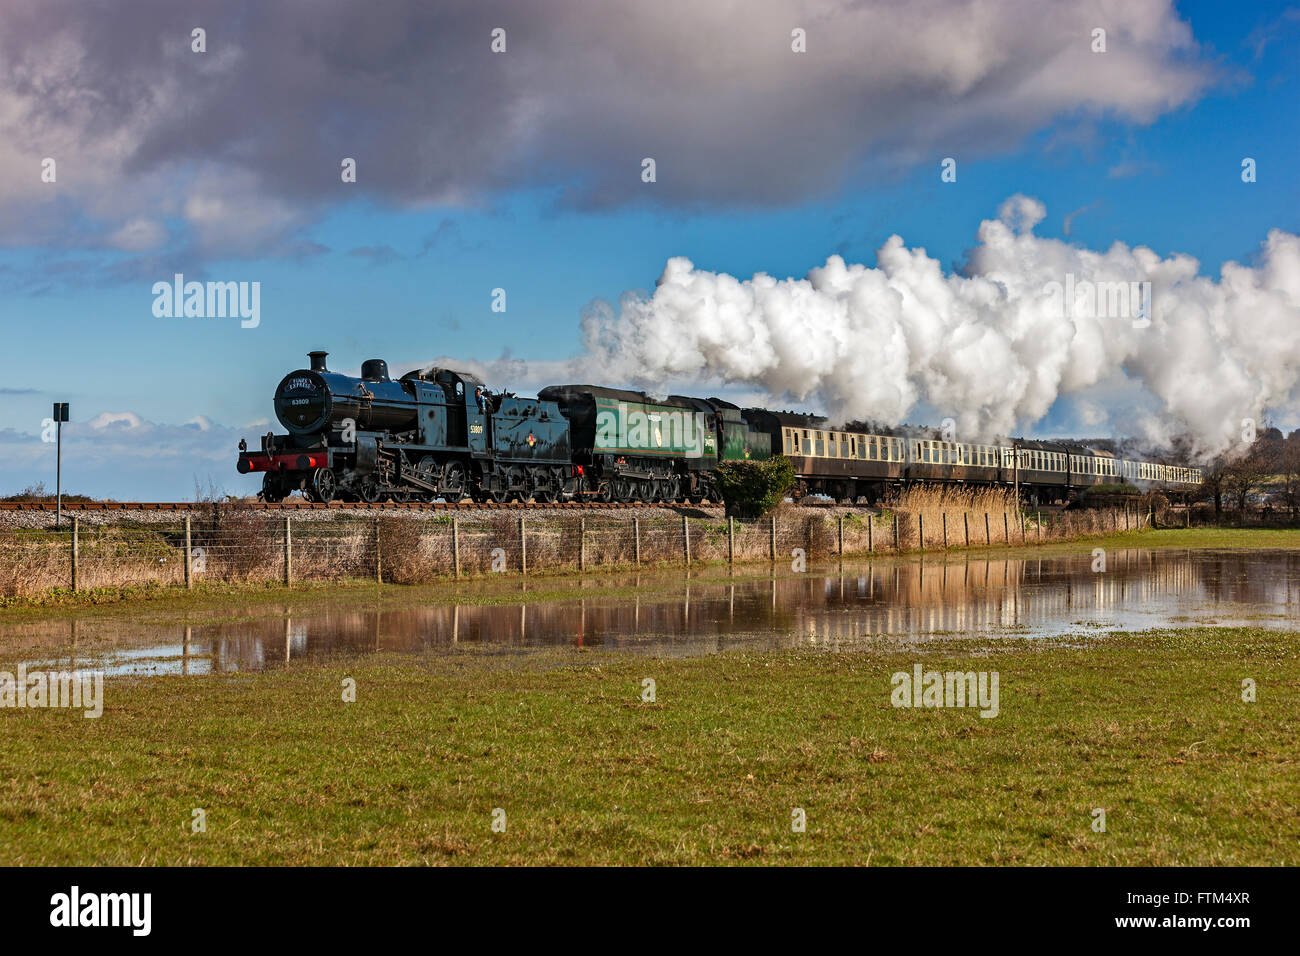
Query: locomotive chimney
318,361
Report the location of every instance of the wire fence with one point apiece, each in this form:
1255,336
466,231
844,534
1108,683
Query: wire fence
250,547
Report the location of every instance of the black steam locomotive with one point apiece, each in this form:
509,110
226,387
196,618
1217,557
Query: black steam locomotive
440,433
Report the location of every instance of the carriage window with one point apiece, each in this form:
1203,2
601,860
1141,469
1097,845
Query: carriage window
819,445
807,442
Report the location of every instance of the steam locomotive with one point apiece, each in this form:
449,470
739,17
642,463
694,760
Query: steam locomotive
442,434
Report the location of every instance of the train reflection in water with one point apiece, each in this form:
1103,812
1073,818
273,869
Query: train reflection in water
835,608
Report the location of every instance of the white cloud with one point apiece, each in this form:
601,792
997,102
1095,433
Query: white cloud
108,419
139,235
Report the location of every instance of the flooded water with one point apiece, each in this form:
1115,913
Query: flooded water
836,607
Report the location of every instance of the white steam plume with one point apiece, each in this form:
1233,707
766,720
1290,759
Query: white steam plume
992,348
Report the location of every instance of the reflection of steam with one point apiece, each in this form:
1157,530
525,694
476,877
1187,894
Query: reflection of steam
991,347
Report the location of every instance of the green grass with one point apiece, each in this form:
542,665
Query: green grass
1207,538
1150,727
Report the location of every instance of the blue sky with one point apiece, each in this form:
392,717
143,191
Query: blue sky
363,271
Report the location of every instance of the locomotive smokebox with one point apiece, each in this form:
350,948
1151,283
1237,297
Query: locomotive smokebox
374,370
318,361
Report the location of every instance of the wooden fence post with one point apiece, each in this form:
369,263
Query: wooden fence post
965,526
379,563
288,552
945,531
1006,528
840,535
896,531
771,546
871,533
76,548
988,538
920,531
455,544
189,556
1039,516
523,549
582,544
686,540
636,541
731,540
1022,527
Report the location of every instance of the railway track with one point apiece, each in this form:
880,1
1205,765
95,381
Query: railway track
336,506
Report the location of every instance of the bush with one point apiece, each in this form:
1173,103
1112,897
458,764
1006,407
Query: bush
753,488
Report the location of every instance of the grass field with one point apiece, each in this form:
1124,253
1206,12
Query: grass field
1151,728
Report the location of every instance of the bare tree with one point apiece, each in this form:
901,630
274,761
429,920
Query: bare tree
1247,471
1288,465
